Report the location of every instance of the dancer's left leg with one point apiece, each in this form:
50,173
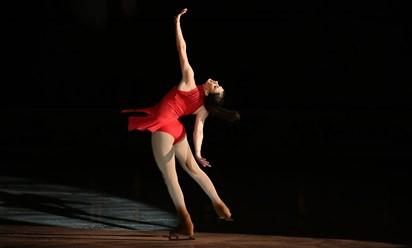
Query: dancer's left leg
188,162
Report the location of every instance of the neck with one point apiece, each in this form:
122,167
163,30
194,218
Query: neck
204,89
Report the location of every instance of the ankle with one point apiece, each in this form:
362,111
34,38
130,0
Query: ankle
222,210
182,213
219,203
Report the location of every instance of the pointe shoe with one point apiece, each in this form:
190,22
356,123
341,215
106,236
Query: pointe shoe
223,212
175,235
183,231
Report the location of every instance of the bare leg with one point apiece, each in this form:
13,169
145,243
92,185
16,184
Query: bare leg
162,146
189,164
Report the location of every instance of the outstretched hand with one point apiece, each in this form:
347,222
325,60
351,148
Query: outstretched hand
182,12
202,161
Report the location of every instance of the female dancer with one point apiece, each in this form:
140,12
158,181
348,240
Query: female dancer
169,138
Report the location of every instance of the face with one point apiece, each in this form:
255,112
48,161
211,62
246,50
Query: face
213,86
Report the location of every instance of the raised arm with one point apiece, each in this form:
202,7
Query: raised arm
198,136
187,82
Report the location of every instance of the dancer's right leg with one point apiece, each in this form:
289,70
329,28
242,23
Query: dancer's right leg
162,146
189,164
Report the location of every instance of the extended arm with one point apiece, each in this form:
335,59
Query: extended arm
187,80
198,136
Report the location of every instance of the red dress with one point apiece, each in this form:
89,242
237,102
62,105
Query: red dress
165,115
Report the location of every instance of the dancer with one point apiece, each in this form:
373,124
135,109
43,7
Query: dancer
169,139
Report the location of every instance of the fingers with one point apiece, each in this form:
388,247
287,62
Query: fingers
183,11
204,162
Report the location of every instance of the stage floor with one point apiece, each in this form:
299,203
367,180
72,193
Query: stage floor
44,237
39,214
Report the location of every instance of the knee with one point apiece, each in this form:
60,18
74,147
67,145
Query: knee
193,169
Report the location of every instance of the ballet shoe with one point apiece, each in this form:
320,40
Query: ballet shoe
183,231
223,212
181,234
175,235
225,219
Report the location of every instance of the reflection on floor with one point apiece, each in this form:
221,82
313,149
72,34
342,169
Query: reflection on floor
35,214
30,202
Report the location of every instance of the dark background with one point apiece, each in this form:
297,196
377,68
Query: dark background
323,145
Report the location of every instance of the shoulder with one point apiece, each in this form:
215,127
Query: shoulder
201,112
187,86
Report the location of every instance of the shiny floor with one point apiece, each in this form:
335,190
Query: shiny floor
38,214
23,200
35,236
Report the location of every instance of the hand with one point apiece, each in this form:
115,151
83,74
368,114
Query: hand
182,12
202,161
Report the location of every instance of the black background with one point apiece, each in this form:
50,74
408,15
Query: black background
323,144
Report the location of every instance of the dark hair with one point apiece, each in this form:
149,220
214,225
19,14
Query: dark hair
213,103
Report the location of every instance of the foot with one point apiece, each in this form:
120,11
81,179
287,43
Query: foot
173,235
183,231
223,212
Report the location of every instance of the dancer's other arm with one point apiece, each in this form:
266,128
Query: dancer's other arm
187,82
198,136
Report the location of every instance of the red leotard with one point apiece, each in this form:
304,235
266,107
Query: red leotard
165,115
